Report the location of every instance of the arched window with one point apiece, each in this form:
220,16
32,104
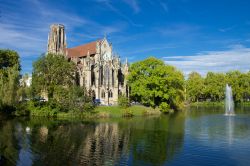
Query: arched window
92,75
93,95
120,77
110,94
103,94
101,75
113,79
120,93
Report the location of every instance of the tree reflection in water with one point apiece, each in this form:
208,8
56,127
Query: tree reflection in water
144,140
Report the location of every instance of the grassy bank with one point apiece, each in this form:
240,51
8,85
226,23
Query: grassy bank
221,103
207,103
112,112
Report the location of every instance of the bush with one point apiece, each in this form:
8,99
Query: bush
36,108
123,102
164,107
88,107
45,111
127,113
22,110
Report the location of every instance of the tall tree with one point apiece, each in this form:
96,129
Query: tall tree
215,86
153,83
195,86
240,83
9,76
50,71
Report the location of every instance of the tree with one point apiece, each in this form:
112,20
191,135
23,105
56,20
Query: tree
153,83
195,86
8,59
50,71
215,86
240,83
9,77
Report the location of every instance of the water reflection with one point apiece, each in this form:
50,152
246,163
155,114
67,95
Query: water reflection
199,136
153,141
210,125
230,129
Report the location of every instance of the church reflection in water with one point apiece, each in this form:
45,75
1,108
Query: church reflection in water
135,141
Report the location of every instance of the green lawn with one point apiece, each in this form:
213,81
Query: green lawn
112,111
116,111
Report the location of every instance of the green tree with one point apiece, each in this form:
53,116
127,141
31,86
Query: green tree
240,83
195,86
51,71
9,58
9,79
153,83
73,98
123,101
215,86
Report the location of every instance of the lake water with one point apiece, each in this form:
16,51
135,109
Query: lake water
199,136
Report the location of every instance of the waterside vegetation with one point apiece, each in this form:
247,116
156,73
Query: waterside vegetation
156,86
210,90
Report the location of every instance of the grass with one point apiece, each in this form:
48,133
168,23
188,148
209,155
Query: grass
207,103
112,112
116,111
216,103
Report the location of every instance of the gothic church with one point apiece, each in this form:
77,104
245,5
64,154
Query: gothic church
98,69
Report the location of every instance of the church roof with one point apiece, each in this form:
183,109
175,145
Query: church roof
82,50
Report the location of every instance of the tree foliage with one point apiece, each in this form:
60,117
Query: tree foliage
55,75
195,86
123,101
9,76
212,86
153,83
50,71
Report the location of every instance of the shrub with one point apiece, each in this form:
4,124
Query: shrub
164,107
127,113
88,107
123,102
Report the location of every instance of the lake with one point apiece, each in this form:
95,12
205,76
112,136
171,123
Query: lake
198,136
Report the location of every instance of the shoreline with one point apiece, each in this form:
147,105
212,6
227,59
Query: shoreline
99,112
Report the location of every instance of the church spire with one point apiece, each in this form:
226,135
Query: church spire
57,39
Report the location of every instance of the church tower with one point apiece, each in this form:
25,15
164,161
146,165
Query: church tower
57,39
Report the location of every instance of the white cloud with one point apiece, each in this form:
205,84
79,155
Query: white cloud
164,6
226,29
235,58
150,48
110,6
24,27
133,4
179,30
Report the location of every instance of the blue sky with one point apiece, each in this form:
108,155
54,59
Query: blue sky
193,35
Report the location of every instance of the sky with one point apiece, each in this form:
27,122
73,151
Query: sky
192,35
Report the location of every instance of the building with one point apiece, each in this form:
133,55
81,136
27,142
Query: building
25,80
98,69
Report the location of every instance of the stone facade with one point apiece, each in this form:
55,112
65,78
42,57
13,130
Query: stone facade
98,69
57,39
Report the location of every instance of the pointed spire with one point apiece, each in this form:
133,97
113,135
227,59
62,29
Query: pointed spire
65,40
105,35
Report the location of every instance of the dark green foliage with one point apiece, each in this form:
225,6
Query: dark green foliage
9,76
8,59
153,82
